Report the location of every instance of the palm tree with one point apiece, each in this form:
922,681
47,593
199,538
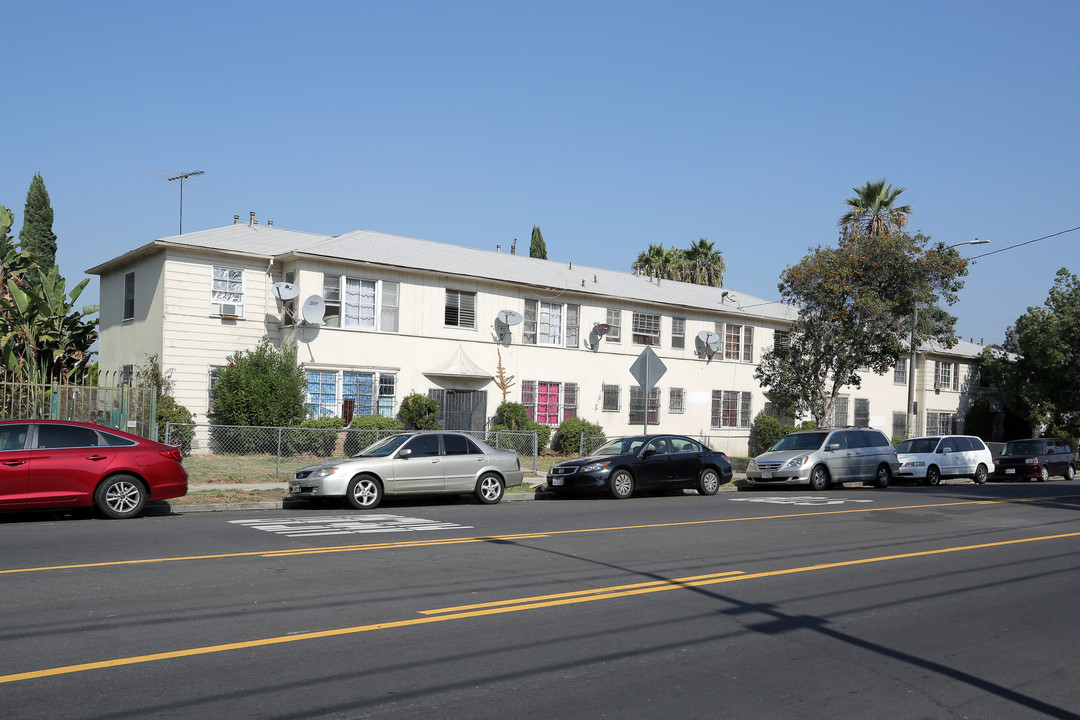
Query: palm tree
703,264
872,211
659,261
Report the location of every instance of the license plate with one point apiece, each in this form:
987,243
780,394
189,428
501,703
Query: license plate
1010,471
294,487
556,481
766,476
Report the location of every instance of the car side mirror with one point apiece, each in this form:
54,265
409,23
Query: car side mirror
647,452
405,453
833,446
946,449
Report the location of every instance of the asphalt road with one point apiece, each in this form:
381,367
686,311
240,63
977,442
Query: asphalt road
949,602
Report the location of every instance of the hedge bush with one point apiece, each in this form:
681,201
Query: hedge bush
567,439
363,431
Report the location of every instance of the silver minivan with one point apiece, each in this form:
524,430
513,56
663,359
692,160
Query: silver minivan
820,458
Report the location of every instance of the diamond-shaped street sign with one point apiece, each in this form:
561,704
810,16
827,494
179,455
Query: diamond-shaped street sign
647,369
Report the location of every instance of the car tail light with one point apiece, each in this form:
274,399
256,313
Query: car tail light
172,453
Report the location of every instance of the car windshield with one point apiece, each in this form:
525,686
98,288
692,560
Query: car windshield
918,445
801,441
622,446
1023,447
384,447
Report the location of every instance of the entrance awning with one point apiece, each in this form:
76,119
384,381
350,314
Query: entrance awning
459,366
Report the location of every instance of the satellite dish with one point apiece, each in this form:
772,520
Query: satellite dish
313,310
508,317
285,291
707,343
599,330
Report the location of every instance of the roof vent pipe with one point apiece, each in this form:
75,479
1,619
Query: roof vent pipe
498,248
235,219
269,223
251,220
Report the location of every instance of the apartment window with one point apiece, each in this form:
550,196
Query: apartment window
387,392
781,340
840,412
227,291
678,333
939,423
899,424
544,323
288,312
337,393
388,316
862,412
739,343
730,408
945,375
331,292
213,372
612,398
359,303
614,322
460,309
646,329
129,296
900,372
547,402
676,401
637,405
321,393
573,313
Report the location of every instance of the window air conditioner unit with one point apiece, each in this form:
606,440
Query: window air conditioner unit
229,311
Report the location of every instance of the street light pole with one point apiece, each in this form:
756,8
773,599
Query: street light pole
914,352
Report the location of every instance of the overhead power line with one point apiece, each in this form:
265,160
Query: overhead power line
1013,247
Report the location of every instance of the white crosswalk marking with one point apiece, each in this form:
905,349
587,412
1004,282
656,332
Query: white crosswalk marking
346,525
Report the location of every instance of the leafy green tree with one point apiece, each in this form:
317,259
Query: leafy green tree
419,412
537,248
1039,379
264,386
37,237
43,334
855,303
874,211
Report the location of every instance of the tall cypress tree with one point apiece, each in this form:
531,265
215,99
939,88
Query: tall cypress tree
537,248
37,237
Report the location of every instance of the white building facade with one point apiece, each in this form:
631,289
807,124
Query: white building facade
394,315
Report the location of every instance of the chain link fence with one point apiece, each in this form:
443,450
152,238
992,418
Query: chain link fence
243,453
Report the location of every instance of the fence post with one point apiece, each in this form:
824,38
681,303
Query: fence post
168,430
536,453
581,444
277,467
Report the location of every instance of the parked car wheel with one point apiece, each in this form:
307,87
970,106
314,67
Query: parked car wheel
819,478
120,497
1070,472
709,482
364,493
881,479
489,489
981,475
622,485
933,475
1044,474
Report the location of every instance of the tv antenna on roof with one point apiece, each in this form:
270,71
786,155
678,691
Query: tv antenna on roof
181,177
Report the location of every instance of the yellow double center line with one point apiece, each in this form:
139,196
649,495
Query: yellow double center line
514,605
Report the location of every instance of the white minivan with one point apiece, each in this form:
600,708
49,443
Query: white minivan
929,459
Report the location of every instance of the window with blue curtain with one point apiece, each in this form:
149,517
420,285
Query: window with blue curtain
321,393
360,388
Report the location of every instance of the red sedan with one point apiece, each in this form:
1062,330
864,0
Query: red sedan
52,463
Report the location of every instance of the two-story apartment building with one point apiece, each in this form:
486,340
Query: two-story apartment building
376,317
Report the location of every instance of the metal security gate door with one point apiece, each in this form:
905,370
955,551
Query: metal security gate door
461,409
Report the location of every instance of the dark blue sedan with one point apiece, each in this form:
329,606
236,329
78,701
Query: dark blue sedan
656,462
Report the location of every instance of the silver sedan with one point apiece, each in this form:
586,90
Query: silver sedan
413,464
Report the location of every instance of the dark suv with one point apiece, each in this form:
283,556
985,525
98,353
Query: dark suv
1035,459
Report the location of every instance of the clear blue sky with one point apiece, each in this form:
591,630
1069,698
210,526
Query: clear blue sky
611,125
